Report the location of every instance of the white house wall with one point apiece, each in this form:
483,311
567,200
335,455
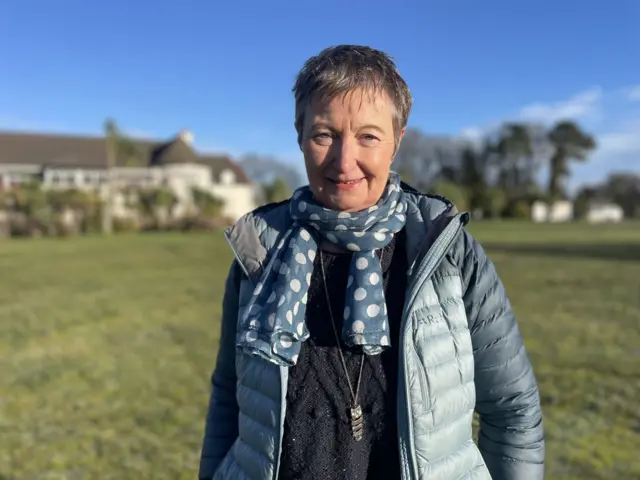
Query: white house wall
239,198
561,211
605,213
539,212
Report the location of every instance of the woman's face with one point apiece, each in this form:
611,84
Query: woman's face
348,144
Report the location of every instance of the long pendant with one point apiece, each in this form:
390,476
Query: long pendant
357,422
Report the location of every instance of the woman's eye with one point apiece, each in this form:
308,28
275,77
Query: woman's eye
369,138
323,138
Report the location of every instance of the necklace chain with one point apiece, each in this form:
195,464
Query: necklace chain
354,394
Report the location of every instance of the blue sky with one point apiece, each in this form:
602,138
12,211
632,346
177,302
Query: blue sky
225,72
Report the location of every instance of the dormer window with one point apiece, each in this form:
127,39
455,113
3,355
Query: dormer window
227,177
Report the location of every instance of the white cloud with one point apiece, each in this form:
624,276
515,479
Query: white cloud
634,94
473,134
620,143
581,105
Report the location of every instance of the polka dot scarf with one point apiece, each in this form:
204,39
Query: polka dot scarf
273,324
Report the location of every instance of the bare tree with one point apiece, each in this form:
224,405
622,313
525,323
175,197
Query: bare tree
423,159
264,169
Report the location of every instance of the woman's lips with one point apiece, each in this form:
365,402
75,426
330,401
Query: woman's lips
347,184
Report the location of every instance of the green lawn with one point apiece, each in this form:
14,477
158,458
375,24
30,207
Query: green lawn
106,346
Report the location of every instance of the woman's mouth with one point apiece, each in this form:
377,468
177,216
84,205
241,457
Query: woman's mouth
347,184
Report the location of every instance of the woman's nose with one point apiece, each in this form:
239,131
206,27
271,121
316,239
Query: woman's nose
345,154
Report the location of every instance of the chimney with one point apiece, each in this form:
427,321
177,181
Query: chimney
186,136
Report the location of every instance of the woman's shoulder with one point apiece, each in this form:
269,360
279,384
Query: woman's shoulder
271,215
259,228
429,205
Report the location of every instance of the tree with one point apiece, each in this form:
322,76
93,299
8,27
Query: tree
263,169
276,191
128,153
569,142
207,204
581,202
120,150
621,188
624,190
474,175
155,205
454,193
29,201
515,152
492,202
83,205
423,160
110,134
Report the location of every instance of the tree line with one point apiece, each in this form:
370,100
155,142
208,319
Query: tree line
497,175
622,188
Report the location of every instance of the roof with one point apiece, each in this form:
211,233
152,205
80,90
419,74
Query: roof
68,151
220,163
173,152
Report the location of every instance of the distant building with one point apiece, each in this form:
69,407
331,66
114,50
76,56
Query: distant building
559,211
62,161
604,212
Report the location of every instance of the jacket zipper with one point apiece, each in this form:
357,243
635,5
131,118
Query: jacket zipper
428,263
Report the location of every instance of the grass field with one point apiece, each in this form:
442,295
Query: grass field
107,344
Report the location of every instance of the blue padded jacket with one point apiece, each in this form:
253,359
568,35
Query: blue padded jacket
460,350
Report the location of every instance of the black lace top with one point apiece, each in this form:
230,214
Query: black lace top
318,443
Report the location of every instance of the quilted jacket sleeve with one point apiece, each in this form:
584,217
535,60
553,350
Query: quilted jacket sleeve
221,428
511,437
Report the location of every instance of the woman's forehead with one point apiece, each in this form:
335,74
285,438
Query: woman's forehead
355,103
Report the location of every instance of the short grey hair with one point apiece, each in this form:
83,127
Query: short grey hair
341,69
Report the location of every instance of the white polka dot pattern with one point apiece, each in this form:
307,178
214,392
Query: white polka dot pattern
274,329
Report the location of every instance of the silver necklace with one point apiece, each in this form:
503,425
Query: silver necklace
356,416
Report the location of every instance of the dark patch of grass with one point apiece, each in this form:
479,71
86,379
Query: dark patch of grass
107,346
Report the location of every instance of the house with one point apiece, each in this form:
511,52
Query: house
559,211
604,212
80,162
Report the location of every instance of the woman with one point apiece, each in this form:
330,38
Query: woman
362,325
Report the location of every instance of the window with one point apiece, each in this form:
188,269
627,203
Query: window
227,177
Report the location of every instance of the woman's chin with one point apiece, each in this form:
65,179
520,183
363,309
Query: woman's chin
346,202
352,199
